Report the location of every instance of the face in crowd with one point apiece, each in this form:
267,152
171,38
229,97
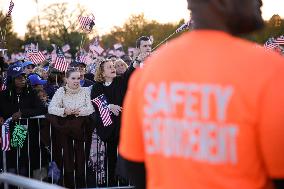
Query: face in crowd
109,71
120,67
73,79
29,69
44,75
145,46
82,70
68,58
20,81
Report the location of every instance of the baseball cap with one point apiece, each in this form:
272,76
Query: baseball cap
15,70
36,80
46,68
77,63
27,63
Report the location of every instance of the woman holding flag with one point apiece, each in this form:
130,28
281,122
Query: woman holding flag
107,97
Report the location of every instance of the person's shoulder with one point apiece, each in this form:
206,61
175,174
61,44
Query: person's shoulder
97,84
86,89
259,55
60,90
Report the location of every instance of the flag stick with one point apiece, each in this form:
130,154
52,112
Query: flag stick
164,41
82,41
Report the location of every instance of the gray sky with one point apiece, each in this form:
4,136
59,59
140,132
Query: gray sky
111,13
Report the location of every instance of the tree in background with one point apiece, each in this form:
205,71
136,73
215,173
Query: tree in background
13,43
58,26
137,26
274,27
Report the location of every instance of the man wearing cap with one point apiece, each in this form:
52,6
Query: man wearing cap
82,68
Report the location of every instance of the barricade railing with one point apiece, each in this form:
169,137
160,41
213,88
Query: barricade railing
19,181
37,159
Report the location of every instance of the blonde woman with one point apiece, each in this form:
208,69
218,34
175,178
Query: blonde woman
113,88
120,67
71,105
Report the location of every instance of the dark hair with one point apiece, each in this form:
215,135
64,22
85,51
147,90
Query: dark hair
71,70
142,38
12,88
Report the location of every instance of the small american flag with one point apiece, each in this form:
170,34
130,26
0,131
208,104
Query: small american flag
66,48
270,44
60,62
36,56
83,58
11,6
6,135
101,103
117,46
4,84
279,40
96,41
98,49
185,26
87,23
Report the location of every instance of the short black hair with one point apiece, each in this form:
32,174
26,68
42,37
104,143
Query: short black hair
142,38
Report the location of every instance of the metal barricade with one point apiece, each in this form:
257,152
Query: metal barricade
23,182
36,159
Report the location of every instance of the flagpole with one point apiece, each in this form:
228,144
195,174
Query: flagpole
6,19
81,43
183,27
164,41
38,18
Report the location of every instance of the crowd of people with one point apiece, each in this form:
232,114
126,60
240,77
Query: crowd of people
83,107
206,111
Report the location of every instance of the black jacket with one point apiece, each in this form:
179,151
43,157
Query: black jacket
114,93
88,83
27,102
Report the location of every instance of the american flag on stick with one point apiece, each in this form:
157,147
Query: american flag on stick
11,6
270,44
36,56
185,26
4,83
279,40
60,62
98,49
101,103
87,22
5,140
66,48
83,58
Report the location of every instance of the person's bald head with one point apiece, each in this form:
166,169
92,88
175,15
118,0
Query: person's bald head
233,16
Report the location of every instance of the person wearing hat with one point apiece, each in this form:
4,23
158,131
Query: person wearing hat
20,101
82,69
28,67
36,81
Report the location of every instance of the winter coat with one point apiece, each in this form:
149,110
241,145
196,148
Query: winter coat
114,94
73,99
